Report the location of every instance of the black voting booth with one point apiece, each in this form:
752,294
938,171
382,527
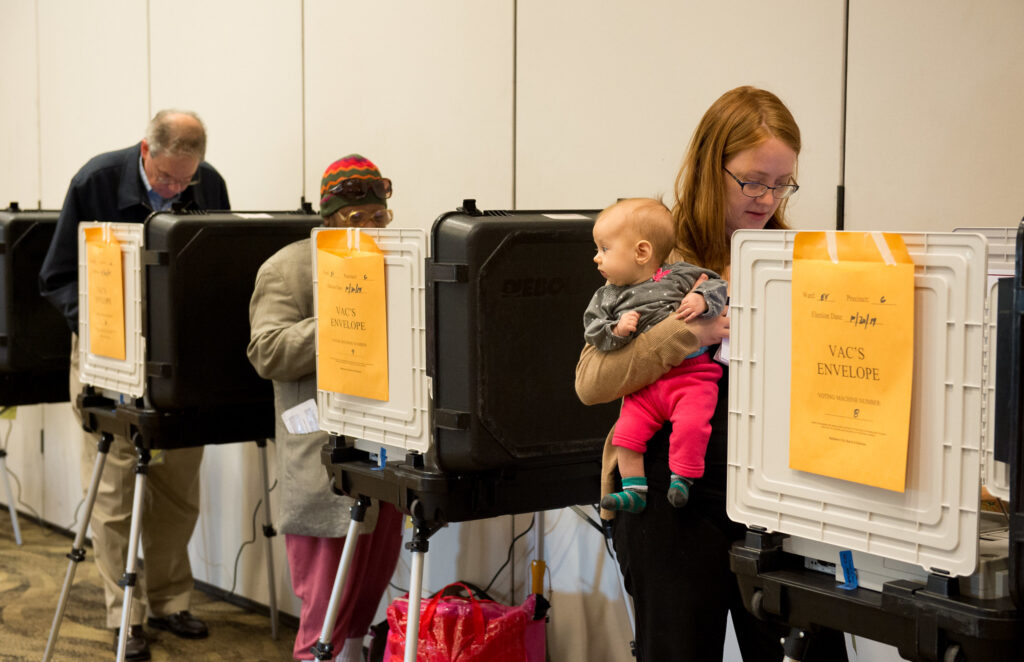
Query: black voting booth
505,293
34,339
198,271
197,276
932,619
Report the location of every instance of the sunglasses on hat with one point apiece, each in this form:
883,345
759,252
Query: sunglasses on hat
355,188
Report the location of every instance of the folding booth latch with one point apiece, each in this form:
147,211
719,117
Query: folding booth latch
446,272
157,369
155,258
451,419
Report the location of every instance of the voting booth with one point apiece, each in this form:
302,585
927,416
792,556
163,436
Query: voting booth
176,366
469,411
34,338
891,542
484,329
162,337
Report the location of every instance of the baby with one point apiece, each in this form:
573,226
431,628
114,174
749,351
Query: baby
633,238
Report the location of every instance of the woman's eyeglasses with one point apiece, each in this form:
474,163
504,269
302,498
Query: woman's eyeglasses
355,188
757,189
367,219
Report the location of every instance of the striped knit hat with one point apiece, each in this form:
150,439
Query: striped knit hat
351,166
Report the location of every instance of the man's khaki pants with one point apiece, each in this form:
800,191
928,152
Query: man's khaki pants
169,512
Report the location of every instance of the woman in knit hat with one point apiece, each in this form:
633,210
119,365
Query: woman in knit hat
282,348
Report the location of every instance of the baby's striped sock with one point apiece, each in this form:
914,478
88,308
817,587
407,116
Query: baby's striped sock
632,498
679,490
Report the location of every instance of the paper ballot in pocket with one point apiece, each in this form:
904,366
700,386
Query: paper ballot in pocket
302,418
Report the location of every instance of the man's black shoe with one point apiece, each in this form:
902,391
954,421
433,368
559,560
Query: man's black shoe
182,624
137,647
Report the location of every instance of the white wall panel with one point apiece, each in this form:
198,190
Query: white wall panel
19,436
935,97
228,549
239,67
609,93
62,467
238,64
19,112
92,85
422,89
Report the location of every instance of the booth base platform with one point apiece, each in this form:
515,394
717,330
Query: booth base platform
450,497
927,620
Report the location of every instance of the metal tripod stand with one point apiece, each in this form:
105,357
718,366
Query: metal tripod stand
128,580
324,649
77,553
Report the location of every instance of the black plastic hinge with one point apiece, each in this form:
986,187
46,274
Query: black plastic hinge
451,419
940,582
155,258
446,272
469,207
162,370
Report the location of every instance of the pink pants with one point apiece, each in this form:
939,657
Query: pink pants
687,396
313,563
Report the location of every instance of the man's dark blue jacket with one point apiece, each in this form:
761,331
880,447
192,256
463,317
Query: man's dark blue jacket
110,188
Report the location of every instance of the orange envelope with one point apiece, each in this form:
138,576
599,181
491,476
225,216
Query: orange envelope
352,324
105,292
852,356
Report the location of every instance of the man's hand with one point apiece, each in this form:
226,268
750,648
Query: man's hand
627,323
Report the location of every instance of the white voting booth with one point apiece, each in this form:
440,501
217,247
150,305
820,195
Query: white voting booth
935,526
400,423
116,378
386,429
1001,254
455,436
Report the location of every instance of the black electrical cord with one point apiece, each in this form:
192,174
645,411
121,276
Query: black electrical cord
238,556
508,560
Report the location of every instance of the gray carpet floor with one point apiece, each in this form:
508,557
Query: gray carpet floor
31,576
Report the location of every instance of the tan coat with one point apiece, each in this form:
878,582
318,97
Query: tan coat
282,348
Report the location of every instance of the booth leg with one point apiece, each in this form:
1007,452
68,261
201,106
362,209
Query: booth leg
128,580
419,546
77,553
324,649
412,626
794,646
268,536
10,497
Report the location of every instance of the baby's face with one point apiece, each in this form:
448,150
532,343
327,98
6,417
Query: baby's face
616,256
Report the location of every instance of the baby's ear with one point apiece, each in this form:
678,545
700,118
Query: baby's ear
644,251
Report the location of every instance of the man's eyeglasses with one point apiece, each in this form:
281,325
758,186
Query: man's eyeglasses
757,189
367,219
355,188
166,180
